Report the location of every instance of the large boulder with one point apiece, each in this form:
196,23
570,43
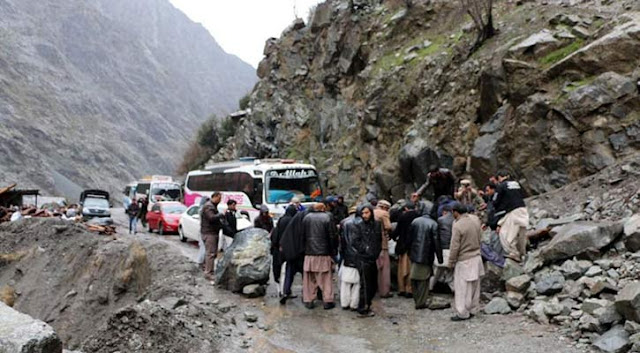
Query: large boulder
605,89
550,284
632,233
417,157
536,45
24,334
497,306
246,261
576,238
492,280
519,284
615,340
628,301
616,51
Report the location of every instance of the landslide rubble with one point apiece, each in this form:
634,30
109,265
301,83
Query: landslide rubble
585,278
102,294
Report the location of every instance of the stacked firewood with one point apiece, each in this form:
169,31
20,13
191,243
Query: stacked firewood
103,230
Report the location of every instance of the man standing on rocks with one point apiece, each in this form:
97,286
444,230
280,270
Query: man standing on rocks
320,246
381,214
402,235
465,258
425,247
210,225
509,201
442,183
366,240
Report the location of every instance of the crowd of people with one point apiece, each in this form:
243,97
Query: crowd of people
438,241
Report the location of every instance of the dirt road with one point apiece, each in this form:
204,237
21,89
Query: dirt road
397,327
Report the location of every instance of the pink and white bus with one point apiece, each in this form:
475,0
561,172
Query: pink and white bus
252,182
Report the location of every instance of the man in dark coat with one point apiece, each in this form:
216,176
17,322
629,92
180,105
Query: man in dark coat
340,210
276,235
210,226
425,247
231,226
319,233
292,251
366,240
402,235
441,273
133,210
144,208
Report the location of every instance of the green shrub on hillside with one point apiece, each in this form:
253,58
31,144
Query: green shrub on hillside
243,103
559,54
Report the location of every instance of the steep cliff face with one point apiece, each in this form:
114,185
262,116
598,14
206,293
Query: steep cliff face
94,94
374,93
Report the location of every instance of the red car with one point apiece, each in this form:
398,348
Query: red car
165,216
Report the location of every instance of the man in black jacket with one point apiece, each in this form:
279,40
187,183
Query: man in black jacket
210,225
442,273
509,200
319,233
402,235
292,247
349,274
425,247
366,240
276,235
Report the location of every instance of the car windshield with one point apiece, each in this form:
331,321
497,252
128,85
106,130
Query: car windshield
283,185
96,203
165,192
173,209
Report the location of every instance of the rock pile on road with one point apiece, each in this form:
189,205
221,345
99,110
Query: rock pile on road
585,279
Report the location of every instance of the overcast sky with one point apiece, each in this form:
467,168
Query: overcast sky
242,26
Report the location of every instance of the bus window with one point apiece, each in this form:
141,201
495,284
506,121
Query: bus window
283,185
143,188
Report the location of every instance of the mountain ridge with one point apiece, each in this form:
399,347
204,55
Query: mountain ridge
98,94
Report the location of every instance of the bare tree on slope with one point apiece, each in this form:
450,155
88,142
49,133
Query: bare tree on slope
481,12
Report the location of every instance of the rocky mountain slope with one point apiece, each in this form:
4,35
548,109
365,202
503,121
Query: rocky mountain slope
374,92
95,94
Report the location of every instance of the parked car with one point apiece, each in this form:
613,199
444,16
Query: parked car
165,216
95,204
189,227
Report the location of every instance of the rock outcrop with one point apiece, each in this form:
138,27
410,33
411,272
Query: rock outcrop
373,94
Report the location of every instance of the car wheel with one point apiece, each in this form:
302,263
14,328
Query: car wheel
150,230
160,228
181,235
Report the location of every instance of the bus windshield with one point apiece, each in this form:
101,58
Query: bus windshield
164,192
285,184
